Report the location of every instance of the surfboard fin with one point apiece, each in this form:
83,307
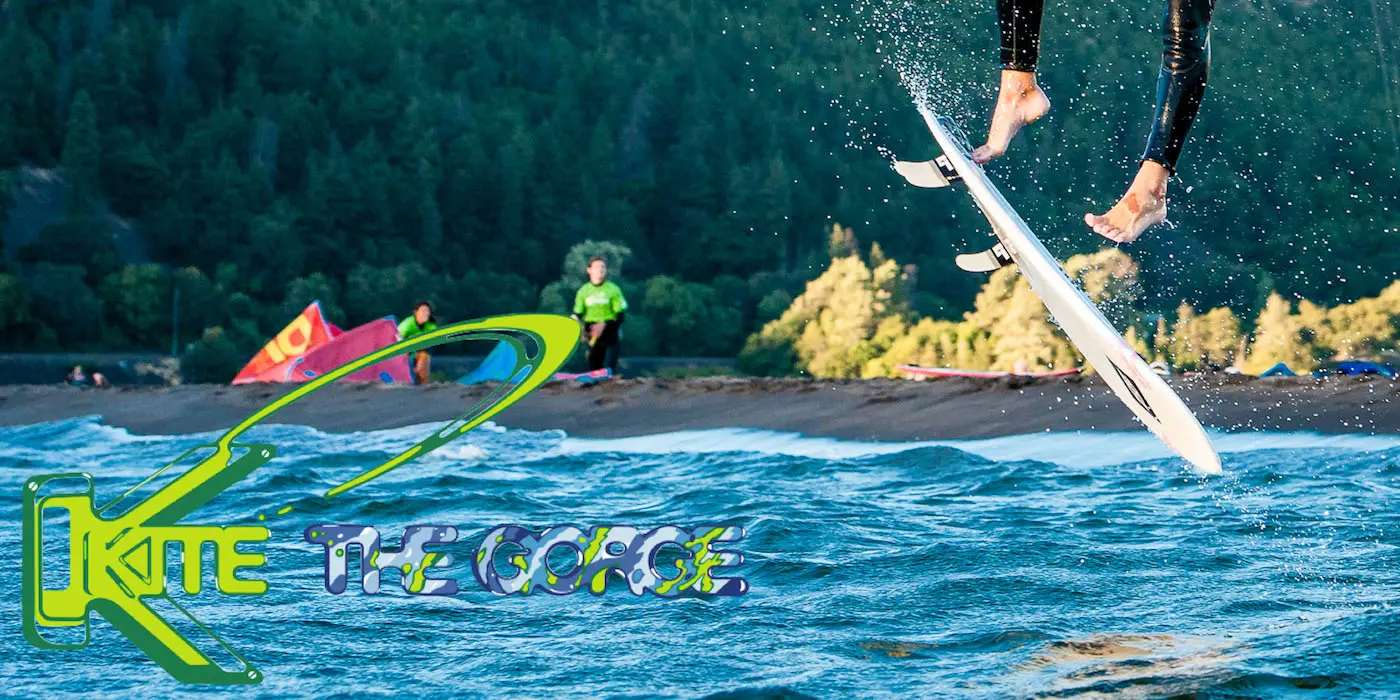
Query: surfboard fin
989,260
938,172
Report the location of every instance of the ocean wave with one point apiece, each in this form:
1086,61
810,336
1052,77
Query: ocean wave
1085,449
1052,564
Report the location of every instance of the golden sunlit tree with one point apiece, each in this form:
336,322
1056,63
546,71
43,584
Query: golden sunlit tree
855,321
1204,341
1363,328
844,319
1280,336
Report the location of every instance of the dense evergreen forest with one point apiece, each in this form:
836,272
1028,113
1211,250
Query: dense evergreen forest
257,154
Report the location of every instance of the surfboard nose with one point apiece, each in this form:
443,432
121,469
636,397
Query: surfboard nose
1203,458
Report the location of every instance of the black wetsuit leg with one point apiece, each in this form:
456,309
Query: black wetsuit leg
1020,33
605,349
1182,82
610,357
597,355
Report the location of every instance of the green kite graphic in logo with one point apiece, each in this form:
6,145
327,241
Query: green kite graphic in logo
117,563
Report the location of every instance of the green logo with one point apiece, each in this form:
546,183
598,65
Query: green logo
117,562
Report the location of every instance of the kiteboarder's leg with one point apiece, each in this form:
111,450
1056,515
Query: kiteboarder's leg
1182,81
1180,86
1021,100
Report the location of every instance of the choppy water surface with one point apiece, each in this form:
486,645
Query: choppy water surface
1066,565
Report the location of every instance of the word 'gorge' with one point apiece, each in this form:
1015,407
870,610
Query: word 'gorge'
626,551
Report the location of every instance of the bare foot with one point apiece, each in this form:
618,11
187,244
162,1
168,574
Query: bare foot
1144,206
1020,102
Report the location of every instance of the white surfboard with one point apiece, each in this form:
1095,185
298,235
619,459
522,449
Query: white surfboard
1145,393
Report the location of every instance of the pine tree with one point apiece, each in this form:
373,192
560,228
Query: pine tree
82,156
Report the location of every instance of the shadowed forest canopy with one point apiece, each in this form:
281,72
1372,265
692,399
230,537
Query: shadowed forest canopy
256,154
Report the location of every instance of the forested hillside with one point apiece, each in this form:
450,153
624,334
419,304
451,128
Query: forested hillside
256,154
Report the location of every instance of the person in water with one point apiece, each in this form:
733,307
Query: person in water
421,321
600,308
1180,85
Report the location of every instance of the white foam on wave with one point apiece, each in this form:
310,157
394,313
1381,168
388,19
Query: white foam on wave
464,452
80,430
1073,448
85,444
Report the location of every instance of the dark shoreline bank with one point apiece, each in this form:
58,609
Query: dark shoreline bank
888,410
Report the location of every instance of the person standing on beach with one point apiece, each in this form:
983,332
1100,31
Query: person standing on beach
600,307
420,322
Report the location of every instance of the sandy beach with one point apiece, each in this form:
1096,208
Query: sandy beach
889,410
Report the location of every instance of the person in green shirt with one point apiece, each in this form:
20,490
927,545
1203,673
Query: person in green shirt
600,308
421,321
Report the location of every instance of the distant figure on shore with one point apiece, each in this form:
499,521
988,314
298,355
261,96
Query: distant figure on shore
99,380
600,308
422,321
77,377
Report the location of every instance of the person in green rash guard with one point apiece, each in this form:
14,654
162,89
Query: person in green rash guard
600,307
421,321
